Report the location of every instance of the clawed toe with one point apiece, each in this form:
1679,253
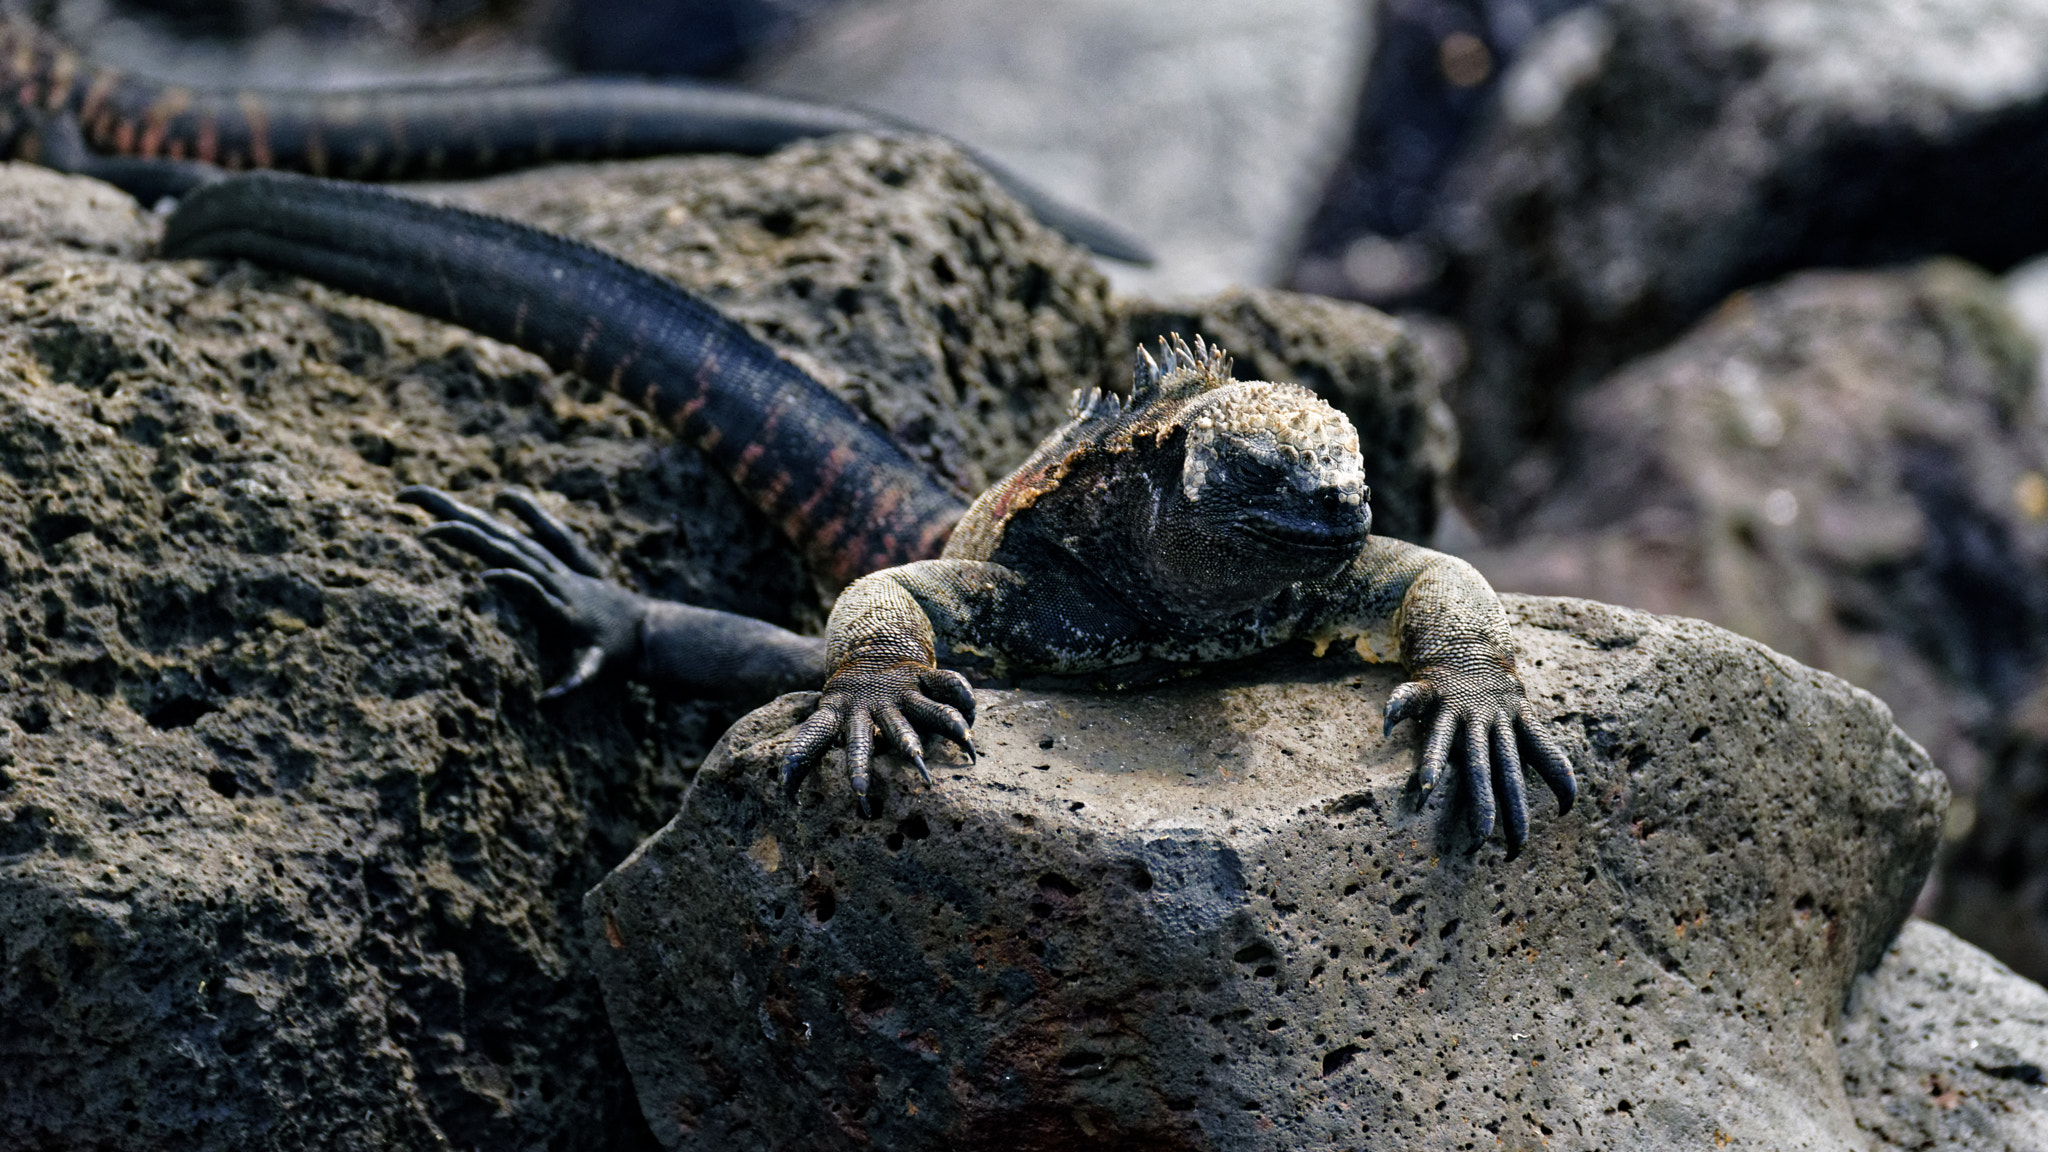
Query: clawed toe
553,535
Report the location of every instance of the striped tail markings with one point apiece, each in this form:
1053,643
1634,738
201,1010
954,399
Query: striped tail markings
840,487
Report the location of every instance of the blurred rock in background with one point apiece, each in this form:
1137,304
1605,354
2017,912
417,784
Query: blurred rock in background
1429,91
675,37
331,42
1206,127
309,43
1646,159
1578,193
1847,467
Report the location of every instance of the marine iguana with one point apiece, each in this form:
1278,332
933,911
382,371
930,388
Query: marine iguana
155,140
1203,520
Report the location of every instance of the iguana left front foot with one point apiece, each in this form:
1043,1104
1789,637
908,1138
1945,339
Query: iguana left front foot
1489,710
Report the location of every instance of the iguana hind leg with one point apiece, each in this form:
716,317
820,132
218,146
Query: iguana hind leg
677,647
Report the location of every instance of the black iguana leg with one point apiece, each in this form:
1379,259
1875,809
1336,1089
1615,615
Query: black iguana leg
605,619
1487,718
1466,694
552,534
680,649
880,691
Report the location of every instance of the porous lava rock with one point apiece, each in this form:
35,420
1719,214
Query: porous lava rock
1214,915
1943,1050
287,838
290,846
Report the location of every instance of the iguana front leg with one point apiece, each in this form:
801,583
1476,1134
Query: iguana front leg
885,677
1455,643
890,630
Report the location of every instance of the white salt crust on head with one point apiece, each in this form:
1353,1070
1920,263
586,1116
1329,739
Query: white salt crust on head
1281,425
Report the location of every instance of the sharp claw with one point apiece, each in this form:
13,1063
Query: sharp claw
1437,754
1507,775
1549,760
967,743
588,662
919,762
553,535
1410,699
860,747
950,688
1479,780
506,579
860,801
432,499
493,546
812,737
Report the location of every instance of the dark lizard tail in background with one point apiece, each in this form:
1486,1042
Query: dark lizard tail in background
157,139
843,490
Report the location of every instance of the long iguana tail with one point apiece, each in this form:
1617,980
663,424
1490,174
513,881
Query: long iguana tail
843,490
439,131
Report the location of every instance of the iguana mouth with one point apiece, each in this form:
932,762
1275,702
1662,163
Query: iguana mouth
1306,532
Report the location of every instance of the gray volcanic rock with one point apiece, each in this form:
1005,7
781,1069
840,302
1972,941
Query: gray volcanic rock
285,838
1849,467
1943,1048
286,835
1650,156
1362,361
1994,890
290,848
1212,916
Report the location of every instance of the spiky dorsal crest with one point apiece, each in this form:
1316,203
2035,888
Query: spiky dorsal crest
1093,404
1178,371
1099,426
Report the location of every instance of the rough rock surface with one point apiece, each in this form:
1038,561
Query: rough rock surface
1849,467
286,838
1943,1048
1363,362
1430,89
285,842
1212,916
1651,156
1205,126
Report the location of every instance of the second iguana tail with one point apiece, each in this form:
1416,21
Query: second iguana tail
841,488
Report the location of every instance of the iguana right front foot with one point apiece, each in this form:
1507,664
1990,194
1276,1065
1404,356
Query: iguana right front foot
886,689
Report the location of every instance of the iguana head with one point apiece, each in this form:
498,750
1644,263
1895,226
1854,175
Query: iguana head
1271,488
1203,492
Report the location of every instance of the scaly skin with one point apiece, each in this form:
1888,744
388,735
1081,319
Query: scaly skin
1209,520
154,140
